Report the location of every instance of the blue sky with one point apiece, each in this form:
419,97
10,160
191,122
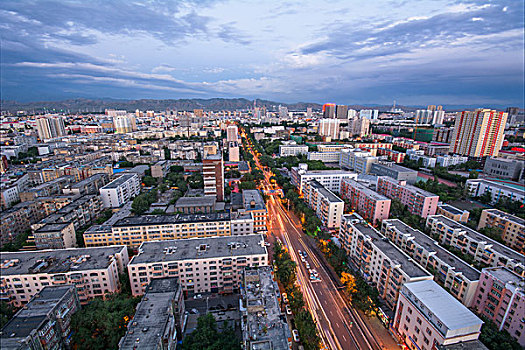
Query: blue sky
416,52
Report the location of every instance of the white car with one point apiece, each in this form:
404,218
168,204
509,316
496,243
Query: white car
288,310
295,334
307,265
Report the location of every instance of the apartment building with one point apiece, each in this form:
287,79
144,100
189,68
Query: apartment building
17,220
446,160
371,205
164,300
160,169
119,191
213,264
213,174
94,271
456,275
263,324
44,323
330,147
55,236
378,260
325,157
512,227
418,201
292,150
498,190
484,250
357,160
394,171
330,179
327,206
233,151
90,185
194,205
253,203
427,316
134,230
500,298
394,156
452,212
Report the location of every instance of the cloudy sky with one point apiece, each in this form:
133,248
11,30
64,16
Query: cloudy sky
351,51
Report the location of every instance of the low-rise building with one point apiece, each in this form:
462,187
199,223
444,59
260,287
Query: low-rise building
357,160
326,205
160,169
119,191
55,236
446,160
18,219
330,179
44,323
213,264
484,250
325,157
292,150
394,171
371,205
95,272
379,261
512,227
503,168
263,324
427,316
498,190
90,185
500,298
452,212
194,205
418,201
158,319
460,279
253,203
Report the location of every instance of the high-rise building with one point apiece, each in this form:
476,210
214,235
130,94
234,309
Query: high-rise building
213,174
283,112
330,128
341,112
359,127
232,133
372,114
478,133
233,151
329,111
50,127
124,123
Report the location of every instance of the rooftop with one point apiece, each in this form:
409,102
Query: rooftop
444,306
506,276
398,257
478,237
145,220
467,345
394,167
252,199
195,201
58,260
88,180
199,248
53,227
328,194
451,209
366,191
151,316
506,216
119,181
432,246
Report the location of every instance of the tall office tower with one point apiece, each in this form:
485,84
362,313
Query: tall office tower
329,111
50,127
309,112
341,112
232,133
124,123
330,128
478,133
283,112
213,174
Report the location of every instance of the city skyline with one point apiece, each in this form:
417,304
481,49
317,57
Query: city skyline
445,52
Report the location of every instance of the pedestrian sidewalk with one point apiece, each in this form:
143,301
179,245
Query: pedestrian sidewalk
380,333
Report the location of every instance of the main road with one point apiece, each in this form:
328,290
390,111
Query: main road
339,325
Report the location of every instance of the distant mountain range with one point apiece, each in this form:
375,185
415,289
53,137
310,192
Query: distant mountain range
212,104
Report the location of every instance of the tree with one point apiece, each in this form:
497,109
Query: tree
6,312
495,339
473,174
486,197
348,280
207,336
149,181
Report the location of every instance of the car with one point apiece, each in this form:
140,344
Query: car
288,310
303,259
307,265
285,298
316,274
295,334
300,252
267,244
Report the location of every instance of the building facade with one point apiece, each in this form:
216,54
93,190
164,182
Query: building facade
371,205
253,203
213,174
394,171
121,190
503,168
330,179
512,227
452,212
328,207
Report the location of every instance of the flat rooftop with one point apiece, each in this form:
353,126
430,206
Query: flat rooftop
119,181
409,266
432,246
506,276
506,216
444,306
58,260
147,327
249,196
394,167
199,248
478,237
366,191
451,209
52,227
411,188
195,201
88,180
146,220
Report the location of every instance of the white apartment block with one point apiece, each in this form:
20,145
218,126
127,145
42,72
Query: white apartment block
232,133
330,179
329,128
119,191
357,160
202,265
498,190
328,207
427,316
325,157
94,271
446,161
332,147
8,196
456,275
484,250
378,260
292,150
